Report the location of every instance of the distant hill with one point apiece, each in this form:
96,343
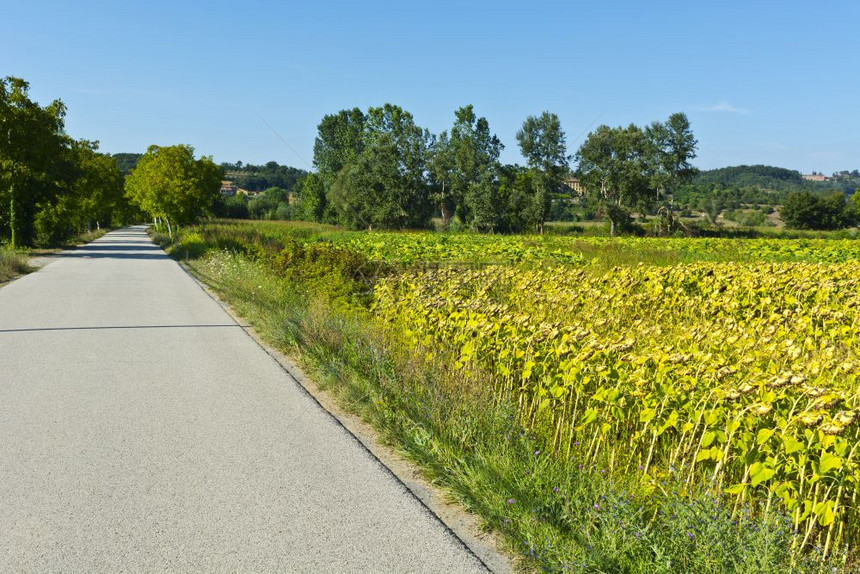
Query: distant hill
126,161
759,176
770,178
262,177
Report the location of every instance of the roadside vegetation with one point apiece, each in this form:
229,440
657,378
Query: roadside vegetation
607,405
15,262
52,187
12,264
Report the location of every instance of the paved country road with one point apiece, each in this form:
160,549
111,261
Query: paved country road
141,429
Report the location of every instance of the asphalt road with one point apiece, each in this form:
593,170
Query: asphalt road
142,430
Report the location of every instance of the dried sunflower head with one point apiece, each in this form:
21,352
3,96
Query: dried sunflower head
762,409
832,428
810,418
844,418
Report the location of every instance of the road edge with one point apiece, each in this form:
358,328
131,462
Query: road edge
464,526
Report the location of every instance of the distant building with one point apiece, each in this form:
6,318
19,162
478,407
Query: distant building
815,177
228,189
247,193
574,185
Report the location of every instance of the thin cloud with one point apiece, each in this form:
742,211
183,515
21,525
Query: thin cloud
723,106
826,155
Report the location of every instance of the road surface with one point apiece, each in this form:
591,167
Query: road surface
141,429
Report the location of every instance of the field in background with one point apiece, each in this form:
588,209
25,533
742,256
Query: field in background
631,404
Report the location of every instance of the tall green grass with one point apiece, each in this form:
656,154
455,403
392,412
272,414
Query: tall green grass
12,264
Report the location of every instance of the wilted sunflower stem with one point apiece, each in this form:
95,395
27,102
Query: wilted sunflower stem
740,499
832,524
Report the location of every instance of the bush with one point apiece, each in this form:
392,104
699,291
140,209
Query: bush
804,210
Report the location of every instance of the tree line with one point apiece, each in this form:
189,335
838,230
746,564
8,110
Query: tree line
378,169
52,186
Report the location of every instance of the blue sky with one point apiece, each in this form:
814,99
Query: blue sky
761,81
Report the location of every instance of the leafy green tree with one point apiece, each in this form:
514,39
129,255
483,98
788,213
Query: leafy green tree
805,210
338,143
474,155
310,193
169,183
712,209
267,204
232,207
543,144
836,212
98,187
672,146
385,186
801,210
32,149
614,168
440,165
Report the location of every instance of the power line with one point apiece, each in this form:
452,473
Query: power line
283,140
589,127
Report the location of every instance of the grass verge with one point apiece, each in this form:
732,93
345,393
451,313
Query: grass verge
12,264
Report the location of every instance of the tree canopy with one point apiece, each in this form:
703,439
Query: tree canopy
169,183
627,167
51,186
543,144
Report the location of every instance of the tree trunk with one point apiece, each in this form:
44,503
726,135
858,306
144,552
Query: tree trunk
169,228
13,219
446,215
611,227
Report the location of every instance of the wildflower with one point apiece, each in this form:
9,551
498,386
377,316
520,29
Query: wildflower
555,489
596,506
511,501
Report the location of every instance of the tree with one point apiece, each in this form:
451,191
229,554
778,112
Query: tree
310,193
169,183
32,147
98,188
672,146
440,165
232,207
385,185
805,210
542,143
338,143
614,168
474,155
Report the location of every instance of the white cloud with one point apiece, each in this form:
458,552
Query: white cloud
723,106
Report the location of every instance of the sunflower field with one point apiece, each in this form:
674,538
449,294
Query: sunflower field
739,376
682,366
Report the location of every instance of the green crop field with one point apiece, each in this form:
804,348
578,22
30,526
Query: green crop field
696,397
